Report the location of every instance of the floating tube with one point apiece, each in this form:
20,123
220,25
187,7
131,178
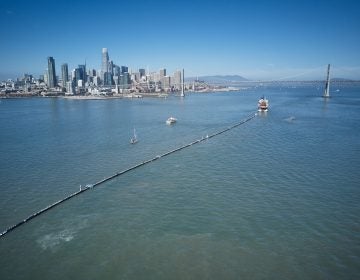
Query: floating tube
91,186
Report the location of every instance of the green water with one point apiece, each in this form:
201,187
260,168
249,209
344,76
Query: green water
274,198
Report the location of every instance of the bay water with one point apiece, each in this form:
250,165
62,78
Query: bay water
277,197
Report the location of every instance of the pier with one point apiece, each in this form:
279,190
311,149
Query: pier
90,186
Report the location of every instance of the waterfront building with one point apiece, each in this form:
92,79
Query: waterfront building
64,74
124,81
51,72
117,89
27,85
70,88
46,80
165,82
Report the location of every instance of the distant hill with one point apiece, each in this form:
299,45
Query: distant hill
340,80
218,79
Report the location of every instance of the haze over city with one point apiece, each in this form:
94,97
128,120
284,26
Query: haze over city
254,39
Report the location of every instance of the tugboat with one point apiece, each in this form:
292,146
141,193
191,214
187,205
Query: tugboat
263,104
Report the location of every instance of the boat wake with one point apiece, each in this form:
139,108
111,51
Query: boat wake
290,119
54,240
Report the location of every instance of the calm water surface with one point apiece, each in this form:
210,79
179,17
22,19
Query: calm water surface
277,197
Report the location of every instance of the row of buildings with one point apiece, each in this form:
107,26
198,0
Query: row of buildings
110,79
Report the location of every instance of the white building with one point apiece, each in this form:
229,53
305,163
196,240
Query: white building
70,88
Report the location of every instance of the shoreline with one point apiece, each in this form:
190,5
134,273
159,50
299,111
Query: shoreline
118,96
89,97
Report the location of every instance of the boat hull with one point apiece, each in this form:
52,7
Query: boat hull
171,121
263,105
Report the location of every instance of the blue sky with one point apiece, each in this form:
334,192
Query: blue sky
254,39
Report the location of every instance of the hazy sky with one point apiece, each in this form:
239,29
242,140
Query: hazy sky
254,39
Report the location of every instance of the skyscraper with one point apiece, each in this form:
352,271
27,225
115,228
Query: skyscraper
165,82
107,79
82,68
51,72
64,74
117,70
78,75
111,67
142,72
162,73
70,88
105,61
176,81
124,69
124,80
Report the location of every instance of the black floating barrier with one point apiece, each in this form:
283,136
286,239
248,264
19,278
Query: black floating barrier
11,228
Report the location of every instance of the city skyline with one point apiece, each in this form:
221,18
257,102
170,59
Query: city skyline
111,80
257,40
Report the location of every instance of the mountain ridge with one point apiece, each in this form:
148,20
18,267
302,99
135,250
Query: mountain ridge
221,79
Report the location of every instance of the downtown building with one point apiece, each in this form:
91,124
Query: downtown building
176,80
64,74
51,75
106,75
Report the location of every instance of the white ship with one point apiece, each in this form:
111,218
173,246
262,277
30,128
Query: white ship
171,120
134,139
263,104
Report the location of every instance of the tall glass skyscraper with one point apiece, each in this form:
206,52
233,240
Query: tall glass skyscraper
51,72
82,68
64,74
176,81
124,69
107,79
124,80
142,72
78,75
162,73
105,61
